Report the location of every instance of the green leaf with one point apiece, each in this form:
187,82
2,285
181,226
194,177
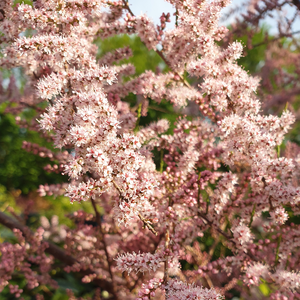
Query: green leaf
264,288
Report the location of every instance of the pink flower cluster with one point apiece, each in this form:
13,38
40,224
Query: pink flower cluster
222,178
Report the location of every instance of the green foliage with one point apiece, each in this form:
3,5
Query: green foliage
18,168
265,290
156,112
254,57
29,2
142,58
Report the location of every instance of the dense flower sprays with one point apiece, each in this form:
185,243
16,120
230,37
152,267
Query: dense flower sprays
110,164
81,114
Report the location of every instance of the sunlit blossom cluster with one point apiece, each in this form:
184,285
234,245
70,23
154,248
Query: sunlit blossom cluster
157,190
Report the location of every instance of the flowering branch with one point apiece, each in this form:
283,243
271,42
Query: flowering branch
108,155
53,250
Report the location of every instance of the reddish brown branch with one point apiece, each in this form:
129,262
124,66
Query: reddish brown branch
166,273
210,223
127,7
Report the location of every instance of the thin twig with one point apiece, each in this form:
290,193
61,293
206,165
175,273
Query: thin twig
228,237
127,7
275,39
167,243
277,251
118,188
163,110
99,222
146,222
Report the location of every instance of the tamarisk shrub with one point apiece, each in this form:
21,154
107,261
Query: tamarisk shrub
219,174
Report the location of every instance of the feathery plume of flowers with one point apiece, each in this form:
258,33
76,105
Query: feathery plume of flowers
108,157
